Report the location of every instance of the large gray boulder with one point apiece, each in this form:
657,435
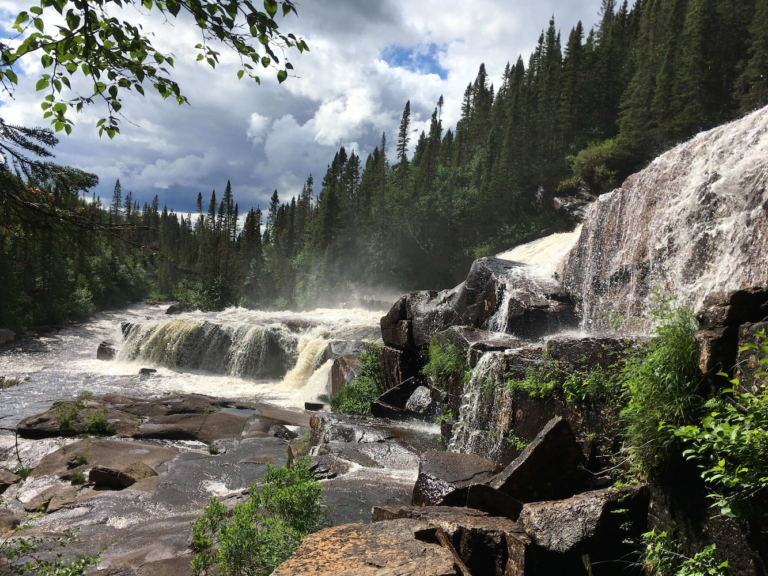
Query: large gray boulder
445,477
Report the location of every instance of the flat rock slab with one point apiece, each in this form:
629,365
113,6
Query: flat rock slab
122,478
445,477
384,548
107,453
52,499
550,468
183,417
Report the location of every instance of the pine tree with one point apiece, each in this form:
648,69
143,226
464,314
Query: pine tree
403,138
752,87
117,201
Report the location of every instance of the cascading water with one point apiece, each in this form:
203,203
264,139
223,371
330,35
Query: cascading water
484,397
544,259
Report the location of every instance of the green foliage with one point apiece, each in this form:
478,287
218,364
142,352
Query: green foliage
357,397
66,416
81,460
595,384
67,413
517,443
602,165
115,55
24,472
77,478
445,362
264,531
213,449
97,423
662,387
730,445
39,562
662,557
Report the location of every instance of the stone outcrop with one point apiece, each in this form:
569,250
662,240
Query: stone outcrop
7,479
499,294
397,366
119,479
343,373
52,499
669,227
445,477
552,467
475,342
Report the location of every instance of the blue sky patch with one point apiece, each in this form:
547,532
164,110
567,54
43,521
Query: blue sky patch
421,58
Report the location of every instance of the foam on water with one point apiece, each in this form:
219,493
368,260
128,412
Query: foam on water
545,255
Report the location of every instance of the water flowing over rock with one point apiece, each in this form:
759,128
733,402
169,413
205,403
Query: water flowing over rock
243,350
692,223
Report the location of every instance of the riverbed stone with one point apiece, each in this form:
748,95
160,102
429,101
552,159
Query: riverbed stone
280,431
379,549
475,342
7,479
551,467
106,351
9,520
445,477
119,479
52,499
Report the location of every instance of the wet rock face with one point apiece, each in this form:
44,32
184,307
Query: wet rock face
551,467
383,548
106,351
476,342
445,477
669,226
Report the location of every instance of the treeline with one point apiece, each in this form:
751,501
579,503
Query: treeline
582,114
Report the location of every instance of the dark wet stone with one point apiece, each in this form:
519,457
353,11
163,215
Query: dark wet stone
420,401
571,354
397,366
551,467
476,342
495,503
173,309
328,466
147,371
313,406
119,479
280,431
392,403
446,430
734,308
379,549
445,477
106,351
717,349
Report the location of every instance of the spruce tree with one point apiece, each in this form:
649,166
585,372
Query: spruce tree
752,87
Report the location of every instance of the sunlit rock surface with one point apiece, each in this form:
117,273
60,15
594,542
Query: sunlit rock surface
692,223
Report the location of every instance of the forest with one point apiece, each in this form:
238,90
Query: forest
581,114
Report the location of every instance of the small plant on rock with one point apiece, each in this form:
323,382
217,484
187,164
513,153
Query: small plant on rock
663,557
81,460
77,478
446,362
213,449
97,423
264,531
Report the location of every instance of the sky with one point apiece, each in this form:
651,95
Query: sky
366,59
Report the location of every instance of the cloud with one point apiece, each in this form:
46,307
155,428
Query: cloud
366,59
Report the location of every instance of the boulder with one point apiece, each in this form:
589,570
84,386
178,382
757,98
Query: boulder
416,317
493,502
748,360
280,431
575,353
594,523
6,336
379,549
106,351
146,372
420,401
173,309
119,479
573,208
445,477
7,479
552,467
392,404
52,499
343,373
326,466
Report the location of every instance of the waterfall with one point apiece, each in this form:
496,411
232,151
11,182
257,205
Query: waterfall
484,399
241,350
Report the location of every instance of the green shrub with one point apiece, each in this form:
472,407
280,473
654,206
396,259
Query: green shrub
264,531
602,165
81,304
66,417
41,562
97,423
446,362
596,384
663,557
731,444
357,397
81,460
662,388
213,449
